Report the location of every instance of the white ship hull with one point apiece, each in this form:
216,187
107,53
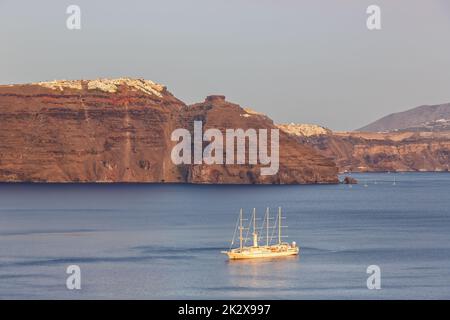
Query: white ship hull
261,252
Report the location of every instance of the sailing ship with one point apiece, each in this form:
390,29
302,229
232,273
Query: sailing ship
268,250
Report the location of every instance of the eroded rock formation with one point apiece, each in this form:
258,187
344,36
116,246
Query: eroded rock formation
119,130
393,151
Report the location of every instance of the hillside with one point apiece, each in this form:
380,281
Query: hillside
423,118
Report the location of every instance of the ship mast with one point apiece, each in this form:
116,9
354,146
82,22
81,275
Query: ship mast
279,225
255,234
240,229
267,227
254,220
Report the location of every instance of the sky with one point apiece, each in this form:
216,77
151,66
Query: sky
311,61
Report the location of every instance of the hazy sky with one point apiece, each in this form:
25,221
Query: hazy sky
308,61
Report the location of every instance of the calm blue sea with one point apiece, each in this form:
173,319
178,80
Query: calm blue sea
164,241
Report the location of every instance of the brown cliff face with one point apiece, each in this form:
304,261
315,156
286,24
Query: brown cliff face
86,131
120,131
299,163
395,151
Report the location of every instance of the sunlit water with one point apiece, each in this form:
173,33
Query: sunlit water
164,241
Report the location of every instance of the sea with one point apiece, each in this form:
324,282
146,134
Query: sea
164,241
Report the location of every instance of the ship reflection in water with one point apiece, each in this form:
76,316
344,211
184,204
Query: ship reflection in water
264,273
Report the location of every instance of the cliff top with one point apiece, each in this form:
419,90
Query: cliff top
104,84
305,130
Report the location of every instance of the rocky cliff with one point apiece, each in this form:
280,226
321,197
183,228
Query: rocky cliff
299,163
119,130
395,151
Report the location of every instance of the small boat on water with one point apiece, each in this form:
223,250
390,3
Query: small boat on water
269,250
